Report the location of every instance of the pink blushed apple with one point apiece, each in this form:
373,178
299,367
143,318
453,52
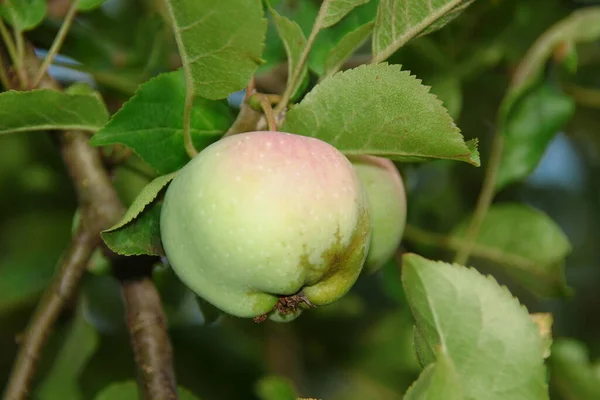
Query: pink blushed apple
262,216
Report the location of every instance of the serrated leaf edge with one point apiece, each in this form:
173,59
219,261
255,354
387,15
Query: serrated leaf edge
94,139
473,271
425,90
88,128
413,32
130,216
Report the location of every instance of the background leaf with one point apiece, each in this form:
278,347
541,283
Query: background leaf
151,123
379,110
294,42
220,43
138,232
337,9
346,47
329,38
27,266
23,14
572,373
78,346
530,247
492,342
275,388
447,87
46,109
581,26
534,122
89,5
398,21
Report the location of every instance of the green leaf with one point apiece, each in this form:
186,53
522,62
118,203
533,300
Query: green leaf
275,388
572,373
425,354
328,38
220,43
398,21
128,390
151,123
346,47
47,109
536,119
138,232
24,15
379,110
335,10
437,381
80,344
494,345
527,244
581,26
89,5
294,42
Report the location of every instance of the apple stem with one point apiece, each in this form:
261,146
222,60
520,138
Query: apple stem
265,104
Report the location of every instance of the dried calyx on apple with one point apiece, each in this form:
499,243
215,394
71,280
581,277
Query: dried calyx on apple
264,224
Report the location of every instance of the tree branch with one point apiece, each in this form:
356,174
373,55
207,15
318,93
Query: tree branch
484,201
52,303
148,329
100,208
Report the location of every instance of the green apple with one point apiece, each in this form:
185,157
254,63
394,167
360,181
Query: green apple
387,200
262,222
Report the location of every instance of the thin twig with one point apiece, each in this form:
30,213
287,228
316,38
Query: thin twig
265,104
8,42
12,53
100,209
246,121
484,201
58,41
19,42
272,98
287,94
248,118
415,234
189,88
187,124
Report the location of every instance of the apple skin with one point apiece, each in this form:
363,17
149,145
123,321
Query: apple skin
387,199
261,215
